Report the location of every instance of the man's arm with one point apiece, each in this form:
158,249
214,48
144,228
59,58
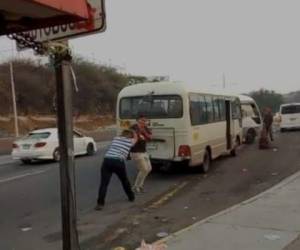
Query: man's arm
135,137
147,134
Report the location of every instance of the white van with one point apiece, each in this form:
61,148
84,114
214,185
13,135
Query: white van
188,126
252,120
289,116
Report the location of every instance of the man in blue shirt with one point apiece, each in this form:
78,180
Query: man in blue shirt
114,163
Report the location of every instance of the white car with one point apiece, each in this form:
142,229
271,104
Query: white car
42,144
289,116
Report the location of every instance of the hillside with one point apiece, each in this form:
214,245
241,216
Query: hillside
292,97
35,87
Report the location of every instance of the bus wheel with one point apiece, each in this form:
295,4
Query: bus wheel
206,162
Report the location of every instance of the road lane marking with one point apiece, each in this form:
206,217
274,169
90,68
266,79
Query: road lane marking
167,196
16,177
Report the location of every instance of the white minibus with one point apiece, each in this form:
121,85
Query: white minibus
252,120
289,116
189,127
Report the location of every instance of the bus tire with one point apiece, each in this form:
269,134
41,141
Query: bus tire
205,166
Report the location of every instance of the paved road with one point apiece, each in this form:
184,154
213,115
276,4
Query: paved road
30,201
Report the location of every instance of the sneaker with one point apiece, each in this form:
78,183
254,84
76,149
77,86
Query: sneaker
136,190
99,207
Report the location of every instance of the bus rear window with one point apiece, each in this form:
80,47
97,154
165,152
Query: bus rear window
152,106
291,109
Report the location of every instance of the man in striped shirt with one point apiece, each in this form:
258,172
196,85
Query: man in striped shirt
114,163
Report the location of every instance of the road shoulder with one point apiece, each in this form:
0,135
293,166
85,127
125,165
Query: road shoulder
266,221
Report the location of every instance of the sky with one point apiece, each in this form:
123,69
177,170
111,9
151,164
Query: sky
254,44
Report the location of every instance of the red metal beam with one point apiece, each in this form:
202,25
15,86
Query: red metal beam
74,7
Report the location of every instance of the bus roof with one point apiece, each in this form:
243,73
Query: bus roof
161,88
245,98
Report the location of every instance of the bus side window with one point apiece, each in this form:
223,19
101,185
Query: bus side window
216,109
209,108
194,109
222,109
202,109
236,110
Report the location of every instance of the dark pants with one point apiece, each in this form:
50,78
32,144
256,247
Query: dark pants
109,167
270,132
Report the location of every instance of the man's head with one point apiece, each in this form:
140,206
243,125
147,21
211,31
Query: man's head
127,133
142,120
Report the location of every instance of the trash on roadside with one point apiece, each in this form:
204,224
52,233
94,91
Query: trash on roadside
186,207
245,170
155,246
272,236
275,149
119,248
26,229
164,220
135,223
274,174
194,218
162,234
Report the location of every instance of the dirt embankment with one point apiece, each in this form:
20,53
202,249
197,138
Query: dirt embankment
85,124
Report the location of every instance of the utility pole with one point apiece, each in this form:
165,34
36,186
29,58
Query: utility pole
12,82
64,92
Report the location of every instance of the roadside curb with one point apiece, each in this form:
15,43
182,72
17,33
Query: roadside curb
280,185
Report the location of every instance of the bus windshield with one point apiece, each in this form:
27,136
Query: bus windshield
249,110
152,106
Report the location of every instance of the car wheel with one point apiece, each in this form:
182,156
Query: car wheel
56,155
90,149
26,161
206,162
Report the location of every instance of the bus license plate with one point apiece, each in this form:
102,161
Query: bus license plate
26,146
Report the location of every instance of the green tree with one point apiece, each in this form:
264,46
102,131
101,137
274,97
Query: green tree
267,98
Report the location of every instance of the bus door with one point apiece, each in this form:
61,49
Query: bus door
228,124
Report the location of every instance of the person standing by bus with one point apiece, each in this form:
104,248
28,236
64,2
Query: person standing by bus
139,154
268,122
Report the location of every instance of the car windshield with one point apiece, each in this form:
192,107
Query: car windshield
152,106
43,135
291,109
